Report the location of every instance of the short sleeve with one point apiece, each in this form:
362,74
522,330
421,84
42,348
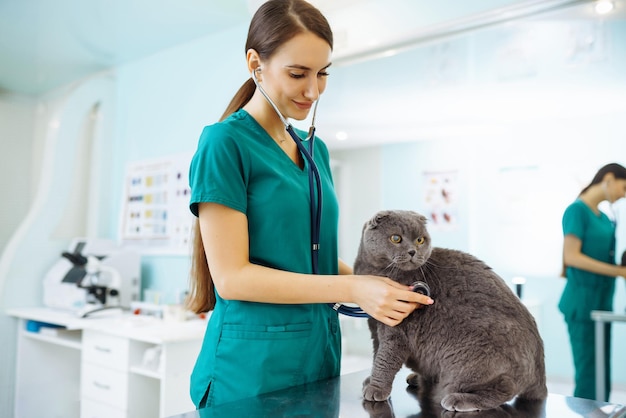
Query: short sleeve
217,173
574,220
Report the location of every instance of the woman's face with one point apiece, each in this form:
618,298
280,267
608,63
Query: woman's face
295,75
616,189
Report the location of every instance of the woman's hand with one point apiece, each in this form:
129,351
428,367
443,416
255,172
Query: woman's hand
385,300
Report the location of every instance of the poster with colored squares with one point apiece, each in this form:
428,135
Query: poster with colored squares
155,210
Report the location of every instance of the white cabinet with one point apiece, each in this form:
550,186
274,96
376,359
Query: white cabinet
105,386
104,372
48,374
106,367
105,350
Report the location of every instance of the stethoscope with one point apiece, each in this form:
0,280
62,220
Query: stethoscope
315,193
315,182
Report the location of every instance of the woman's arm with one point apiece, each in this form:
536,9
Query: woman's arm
573,257
225,236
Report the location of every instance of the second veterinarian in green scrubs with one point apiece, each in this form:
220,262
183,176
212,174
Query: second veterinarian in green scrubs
589,262
586,291
252,348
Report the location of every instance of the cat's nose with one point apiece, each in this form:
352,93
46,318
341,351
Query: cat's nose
412,252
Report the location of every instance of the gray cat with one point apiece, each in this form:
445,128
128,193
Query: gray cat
475,348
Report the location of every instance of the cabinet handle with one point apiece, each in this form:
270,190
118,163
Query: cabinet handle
101,386
102,349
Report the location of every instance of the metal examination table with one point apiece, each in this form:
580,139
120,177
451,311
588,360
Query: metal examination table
341,397
602,317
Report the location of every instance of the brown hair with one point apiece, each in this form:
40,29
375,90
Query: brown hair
273,24
618,171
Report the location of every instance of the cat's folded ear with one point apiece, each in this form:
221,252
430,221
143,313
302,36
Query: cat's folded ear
377,219
417,216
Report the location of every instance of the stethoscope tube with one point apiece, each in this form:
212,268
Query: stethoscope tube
315,192
315,181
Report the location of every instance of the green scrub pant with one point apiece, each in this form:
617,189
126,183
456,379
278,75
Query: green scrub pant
582,339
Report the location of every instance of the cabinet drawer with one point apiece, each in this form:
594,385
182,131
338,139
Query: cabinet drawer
92,409
104,385
105,350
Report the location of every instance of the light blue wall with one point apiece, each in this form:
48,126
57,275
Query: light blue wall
17,117
164,101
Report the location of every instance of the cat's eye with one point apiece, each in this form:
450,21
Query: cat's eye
396,239
420,240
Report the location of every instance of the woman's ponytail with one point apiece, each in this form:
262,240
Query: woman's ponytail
201,296
243,96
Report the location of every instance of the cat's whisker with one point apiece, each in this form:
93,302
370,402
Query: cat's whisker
428,272
391,269
426,268
421,270
435,265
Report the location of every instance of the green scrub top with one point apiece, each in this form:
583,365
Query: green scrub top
586,291
252,348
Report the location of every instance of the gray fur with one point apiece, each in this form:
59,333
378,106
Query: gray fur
475,348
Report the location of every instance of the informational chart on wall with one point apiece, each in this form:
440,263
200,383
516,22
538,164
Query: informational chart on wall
155,210
440,198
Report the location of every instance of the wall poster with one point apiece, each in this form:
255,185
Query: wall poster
441,199
155,210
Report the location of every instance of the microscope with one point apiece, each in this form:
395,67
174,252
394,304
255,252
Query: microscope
93,276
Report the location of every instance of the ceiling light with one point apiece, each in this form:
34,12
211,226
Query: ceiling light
604,6
341,136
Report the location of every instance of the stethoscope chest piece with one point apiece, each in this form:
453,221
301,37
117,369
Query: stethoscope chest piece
421,287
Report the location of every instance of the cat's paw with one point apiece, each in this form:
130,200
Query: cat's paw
377,409
460,402
372,392
489,413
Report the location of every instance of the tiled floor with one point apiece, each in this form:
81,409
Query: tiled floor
353,363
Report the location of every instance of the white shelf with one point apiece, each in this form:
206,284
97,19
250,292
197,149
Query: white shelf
143,371
70,339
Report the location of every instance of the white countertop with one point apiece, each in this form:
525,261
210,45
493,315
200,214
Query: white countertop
136,327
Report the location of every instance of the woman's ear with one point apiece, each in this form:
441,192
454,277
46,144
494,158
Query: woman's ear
607,180
608,177
254,60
